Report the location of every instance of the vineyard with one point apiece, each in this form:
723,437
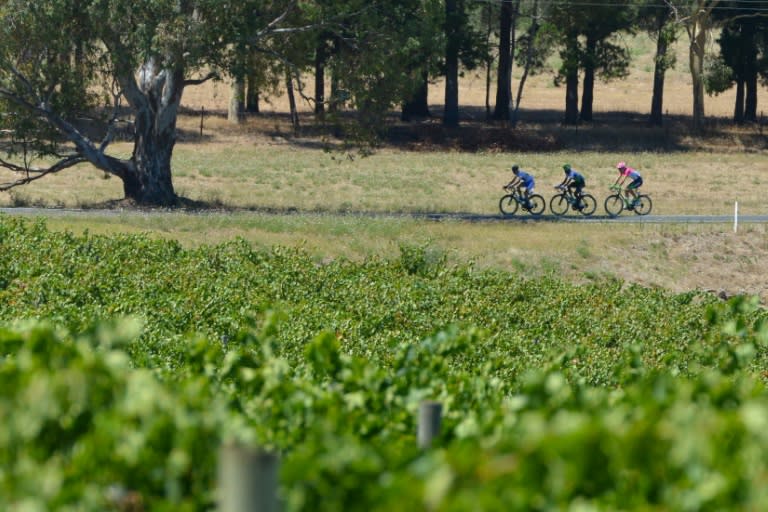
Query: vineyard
126,362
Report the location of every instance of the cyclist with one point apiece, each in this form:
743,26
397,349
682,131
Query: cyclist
637,181
523,181
574,180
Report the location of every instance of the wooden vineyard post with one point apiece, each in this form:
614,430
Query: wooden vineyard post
247,480
430,416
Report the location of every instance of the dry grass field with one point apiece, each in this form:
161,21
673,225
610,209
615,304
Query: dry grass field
262,166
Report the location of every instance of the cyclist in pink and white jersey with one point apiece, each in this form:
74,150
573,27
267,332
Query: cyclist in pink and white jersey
637,181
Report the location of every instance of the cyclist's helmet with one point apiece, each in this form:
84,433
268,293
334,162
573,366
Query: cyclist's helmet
566,168
515,168
621,166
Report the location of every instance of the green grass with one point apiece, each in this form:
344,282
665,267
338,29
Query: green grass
397,181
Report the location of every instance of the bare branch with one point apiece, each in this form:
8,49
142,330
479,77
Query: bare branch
271,27
275,22
33,174
197,81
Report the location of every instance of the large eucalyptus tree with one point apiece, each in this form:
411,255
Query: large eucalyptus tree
696,16
69,66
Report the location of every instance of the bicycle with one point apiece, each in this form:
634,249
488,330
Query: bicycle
617,202
509,203
559,204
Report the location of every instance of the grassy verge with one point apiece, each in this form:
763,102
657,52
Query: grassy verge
677,257
286,177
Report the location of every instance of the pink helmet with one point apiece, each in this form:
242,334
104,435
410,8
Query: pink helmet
621,166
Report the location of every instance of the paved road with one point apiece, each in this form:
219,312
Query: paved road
464,216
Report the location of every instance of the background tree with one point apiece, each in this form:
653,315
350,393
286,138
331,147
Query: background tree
507,26
570,21
533,48
657,20
135,60
144,53
603,57
384,58
422,44
463,45
696,17
741,55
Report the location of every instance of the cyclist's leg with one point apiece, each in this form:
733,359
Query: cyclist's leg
529,190
577,191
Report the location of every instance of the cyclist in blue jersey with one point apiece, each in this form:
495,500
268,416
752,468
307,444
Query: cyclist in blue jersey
523,181
574,180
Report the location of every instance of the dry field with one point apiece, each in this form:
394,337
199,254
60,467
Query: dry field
261,165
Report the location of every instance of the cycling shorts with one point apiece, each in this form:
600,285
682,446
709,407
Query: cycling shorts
636,183
528,185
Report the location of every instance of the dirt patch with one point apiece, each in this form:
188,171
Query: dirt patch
723,263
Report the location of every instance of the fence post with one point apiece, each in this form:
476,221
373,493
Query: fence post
247,480
430,415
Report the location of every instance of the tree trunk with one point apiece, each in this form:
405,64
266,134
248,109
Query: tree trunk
236,100
698,29
451,113
149,181
155,98
333,106
504,77
147,175
418,104
738,107
750,78
488,62
321,56
252,93
572,80
588,87
252,84
532,31
236,107
291,100
750,99
659,72
697,79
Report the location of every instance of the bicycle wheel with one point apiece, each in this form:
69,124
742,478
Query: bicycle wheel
559,205
613,205
644,205
588,205
508,204
536,204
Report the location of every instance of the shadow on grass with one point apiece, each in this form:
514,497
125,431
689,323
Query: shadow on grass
536,130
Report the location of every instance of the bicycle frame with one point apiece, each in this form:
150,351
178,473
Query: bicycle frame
517,195
533,203
622,194
569,195
619,201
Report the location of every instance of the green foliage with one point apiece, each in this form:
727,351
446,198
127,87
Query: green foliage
601,397
422,260
80,424
718,76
